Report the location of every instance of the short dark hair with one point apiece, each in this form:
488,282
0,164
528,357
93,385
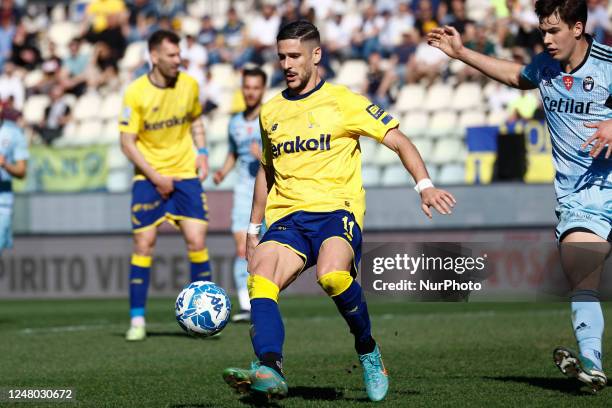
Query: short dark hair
299,30
570,11
159,36
255,72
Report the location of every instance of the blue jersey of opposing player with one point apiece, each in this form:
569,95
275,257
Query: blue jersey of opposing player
14,148
570,100
242,134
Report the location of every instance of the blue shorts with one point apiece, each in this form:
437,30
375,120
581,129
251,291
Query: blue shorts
588,210
6,230
149,209
304,232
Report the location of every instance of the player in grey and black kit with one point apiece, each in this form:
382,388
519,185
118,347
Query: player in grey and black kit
574,77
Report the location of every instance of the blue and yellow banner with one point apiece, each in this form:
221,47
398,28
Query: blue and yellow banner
65,169
482,151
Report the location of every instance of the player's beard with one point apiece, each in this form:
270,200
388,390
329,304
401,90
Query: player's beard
303,81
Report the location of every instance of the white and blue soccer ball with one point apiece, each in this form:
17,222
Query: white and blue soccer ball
202,309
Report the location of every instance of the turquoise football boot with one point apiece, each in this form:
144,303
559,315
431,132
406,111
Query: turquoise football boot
259,379
374,375
577,366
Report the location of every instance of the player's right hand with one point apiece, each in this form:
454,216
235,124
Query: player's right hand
165,186
251,242
447,39
218,177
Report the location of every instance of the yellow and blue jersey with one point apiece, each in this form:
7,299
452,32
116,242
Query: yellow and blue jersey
161,118
312,142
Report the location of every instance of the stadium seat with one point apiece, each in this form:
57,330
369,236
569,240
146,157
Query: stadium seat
119,180
111,106
225,76
385,156
110,132
410,98
217,130
62,32
442,123
424,146
87,106
439,96
32,78
88,132
496,118
271,92
217,156
415,124
134,56
451,174
352,74
190,25
116,159
369,150
396,175
468,95
34,108
58,13
448,150
370,176
472,118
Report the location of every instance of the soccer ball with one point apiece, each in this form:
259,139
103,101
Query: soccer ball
202,309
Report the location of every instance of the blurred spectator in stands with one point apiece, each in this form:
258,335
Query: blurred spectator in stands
425,17
525,25
234,37
141,7
598,23
390,33
196,55
262,37
25,51
99,12
322,9
427,63
404,17
74,68
525,103
289,12
7,32
171,8
404,52
51,69
378,81
477,40
57,115
338,31
11,87
103,68
365,41
209,37
209,94
456,17
145,25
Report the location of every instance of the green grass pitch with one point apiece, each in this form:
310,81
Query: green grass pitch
479,354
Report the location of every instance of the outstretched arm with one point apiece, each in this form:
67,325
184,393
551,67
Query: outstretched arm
449,41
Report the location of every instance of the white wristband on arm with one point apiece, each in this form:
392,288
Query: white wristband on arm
422,185
253,229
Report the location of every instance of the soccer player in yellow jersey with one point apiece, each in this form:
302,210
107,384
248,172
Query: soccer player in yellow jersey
160,124
311,176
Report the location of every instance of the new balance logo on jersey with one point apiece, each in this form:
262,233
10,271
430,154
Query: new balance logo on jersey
302,145
563,105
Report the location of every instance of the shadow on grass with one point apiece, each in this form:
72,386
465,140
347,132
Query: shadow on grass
192,406
564,385
176,334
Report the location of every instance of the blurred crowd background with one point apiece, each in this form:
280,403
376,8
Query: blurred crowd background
64,65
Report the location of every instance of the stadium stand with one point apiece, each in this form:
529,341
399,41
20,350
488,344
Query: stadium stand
435,115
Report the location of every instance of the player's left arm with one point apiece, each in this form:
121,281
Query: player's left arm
17,169
199,139
600,139
441,200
